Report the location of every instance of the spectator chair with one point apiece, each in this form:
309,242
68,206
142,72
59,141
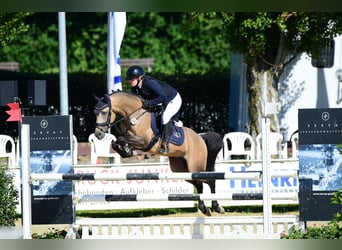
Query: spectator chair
276,147
238,144
7,149
102,148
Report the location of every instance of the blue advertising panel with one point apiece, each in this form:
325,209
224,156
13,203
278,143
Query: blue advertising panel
320,162
50,146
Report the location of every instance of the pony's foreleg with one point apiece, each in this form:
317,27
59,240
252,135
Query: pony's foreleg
214,203
201,206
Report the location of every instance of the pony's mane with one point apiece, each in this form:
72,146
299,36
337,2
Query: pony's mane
126,93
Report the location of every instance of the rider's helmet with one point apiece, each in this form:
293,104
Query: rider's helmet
134,72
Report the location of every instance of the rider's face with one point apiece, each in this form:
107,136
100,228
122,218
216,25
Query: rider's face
134,82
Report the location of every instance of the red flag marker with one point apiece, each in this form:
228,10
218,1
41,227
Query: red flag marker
14,112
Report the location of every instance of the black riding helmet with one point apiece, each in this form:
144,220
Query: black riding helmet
134,71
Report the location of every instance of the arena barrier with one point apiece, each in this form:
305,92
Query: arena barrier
266,226
223,227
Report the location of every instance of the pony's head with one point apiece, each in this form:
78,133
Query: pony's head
104,115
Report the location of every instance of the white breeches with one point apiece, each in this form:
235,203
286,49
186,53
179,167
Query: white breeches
172,108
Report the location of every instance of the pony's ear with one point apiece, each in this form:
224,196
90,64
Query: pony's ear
107,99
96,97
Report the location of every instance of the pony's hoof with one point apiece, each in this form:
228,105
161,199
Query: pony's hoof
219,210
206,211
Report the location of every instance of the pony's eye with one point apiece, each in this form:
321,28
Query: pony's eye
104,112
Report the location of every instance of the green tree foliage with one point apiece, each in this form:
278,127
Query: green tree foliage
11,26
38,49
87,42
176,44
34,50
8,197
270,40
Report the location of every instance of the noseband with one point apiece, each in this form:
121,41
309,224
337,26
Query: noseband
106,102
103,103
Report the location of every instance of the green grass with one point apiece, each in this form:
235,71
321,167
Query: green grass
127,213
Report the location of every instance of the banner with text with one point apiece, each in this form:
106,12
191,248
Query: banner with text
50,146
320,161
283,184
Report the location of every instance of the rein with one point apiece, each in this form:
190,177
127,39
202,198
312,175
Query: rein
114,124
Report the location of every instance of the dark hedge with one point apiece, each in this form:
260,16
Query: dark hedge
205,100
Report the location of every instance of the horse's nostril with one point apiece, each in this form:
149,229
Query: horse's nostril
99,134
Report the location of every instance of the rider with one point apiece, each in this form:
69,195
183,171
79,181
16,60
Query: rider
156,92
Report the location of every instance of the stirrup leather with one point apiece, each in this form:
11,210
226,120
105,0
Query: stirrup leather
164,148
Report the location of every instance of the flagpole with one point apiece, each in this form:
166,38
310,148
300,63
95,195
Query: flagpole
110,54
63,72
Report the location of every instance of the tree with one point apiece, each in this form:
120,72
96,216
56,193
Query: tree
177,45
269,41
9,197
11,26
37,50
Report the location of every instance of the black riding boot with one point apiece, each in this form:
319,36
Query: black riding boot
166,133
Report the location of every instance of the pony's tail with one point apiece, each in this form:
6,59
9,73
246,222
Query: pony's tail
214,144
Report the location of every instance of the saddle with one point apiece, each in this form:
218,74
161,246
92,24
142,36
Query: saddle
177,136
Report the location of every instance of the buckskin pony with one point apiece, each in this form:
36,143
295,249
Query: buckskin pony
138,129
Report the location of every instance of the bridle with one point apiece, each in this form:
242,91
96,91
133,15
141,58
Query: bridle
108,124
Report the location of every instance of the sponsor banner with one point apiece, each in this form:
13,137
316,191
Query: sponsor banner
149,187
50,146
283,184
156,187
320,162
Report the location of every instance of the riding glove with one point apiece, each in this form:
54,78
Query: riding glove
145,105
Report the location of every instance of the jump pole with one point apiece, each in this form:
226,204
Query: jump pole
252,175
182,197
242,175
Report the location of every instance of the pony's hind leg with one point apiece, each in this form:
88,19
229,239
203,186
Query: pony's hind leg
201,206
214,144
214,203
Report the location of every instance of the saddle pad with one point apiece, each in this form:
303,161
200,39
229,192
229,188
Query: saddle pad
177,137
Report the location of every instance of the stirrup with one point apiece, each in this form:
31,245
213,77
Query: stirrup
164,148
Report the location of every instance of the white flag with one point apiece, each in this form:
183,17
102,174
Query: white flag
116,30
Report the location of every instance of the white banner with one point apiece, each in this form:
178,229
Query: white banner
126,187
281,183
116,30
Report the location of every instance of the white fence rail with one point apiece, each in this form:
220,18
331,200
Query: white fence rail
241,177
233,227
